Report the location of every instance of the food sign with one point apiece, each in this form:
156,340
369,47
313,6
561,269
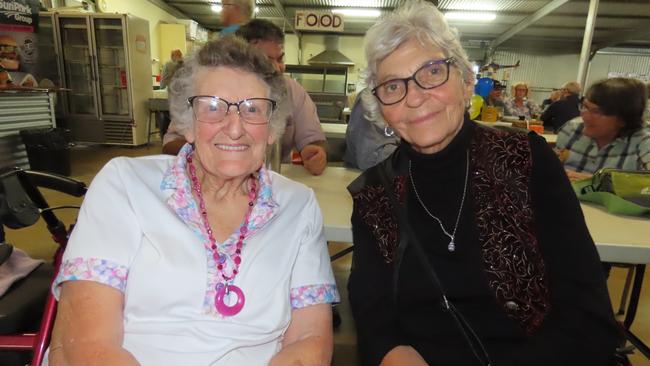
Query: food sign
320,21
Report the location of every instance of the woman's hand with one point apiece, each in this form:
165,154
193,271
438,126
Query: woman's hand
308,341
89,327
403,355
575,176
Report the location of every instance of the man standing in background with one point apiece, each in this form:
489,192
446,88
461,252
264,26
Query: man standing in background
170,68
168,71
234,14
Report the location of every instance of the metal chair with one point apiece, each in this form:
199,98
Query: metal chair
156,105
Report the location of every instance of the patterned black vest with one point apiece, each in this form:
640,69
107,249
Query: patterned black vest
500,166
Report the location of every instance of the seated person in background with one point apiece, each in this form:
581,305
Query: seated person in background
610,132
467,238
495,97
564,109
520,105
367,142
205,258
552,98
303,130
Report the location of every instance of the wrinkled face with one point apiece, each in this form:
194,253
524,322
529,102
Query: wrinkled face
427,119
273,50
597,125
230,148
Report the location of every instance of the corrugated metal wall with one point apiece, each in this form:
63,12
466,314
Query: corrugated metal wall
18,111
631,65
544,72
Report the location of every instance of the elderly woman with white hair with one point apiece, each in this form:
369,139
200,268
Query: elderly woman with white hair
470,247
205,258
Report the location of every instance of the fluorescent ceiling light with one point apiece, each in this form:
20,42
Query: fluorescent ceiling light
357,3
480,6
362,13
465,15
216,8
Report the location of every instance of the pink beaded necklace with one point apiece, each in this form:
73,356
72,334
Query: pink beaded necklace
224,289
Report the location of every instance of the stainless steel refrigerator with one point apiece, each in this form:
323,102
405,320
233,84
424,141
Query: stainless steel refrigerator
47,63
105,62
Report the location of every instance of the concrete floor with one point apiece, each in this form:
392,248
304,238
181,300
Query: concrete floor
87,160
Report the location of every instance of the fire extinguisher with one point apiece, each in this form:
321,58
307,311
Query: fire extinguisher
123,79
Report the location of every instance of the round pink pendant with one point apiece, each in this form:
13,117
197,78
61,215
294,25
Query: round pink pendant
225,309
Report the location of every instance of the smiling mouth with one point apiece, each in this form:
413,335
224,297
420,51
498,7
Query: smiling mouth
231,147
424,118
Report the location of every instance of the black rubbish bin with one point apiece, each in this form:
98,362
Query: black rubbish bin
48,149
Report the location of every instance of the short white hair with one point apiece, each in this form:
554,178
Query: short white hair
232,52
247,7
416,19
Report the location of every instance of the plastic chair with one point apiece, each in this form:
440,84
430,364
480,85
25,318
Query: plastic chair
21,205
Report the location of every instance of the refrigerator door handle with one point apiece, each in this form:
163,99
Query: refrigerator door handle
95,68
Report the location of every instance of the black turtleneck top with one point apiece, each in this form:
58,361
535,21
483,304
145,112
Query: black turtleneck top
580,327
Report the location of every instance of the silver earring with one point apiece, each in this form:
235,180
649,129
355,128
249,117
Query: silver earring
388,131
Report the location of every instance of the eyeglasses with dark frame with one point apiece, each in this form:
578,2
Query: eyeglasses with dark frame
431,75
211,109
584,108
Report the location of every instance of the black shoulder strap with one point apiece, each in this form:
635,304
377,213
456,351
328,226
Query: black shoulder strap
407,235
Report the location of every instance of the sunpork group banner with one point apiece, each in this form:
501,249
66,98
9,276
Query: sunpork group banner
18,40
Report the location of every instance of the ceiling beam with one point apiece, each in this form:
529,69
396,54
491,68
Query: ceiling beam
170,9
639,31
542,12
288,21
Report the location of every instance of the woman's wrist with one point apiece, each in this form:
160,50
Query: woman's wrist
311,351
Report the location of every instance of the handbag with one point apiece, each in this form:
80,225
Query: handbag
624,192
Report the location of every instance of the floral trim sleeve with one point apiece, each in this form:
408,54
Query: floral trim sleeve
312,295
91,269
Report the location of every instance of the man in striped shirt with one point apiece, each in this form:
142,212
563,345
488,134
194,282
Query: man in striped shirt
610,132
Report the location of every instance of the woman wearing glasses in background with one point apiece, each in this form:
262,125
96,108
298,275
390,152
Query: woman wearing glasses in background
519,105
610,132
463,255
205,258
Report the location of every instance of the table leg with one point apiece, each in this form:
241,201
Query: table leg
343,252
631,311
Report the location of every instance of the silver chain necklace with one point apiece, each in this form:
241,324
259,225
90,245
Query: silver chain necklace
452,245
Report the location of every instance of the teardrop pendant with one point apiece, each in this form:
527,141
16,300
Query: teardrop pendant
452,246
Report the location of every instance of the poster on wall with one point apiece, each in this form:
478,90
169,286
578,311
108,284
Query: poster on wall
18,37
632,75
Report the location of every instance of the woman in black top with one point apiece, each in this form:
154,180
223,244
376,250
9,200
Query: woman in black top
463,256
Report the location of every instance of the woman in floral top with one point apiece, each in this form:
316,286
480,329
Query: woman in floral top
205,258
520,105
